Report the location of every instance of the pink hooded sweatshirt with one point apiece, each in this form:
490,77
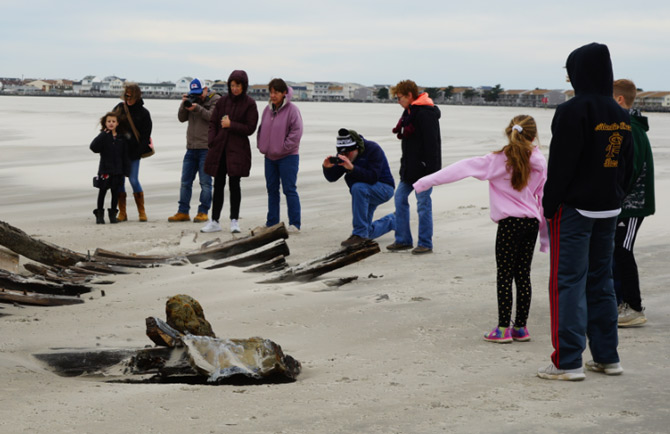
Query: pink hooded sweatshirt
281,130
504,200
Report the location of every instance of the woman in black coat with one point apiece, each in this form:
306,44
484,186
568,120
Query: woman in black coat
134,114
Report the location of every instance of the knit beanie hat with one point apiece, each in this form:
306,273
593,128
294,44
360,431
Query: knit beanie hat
348,140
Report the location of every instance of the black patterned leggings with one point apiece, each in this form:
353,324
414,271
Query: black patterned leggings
515,242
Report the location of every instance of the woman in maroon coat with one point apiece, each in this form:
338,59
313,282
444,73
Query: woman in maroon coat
233,120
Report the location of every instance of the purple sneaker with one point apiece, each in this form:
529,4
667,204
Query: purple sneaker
503,336
520,334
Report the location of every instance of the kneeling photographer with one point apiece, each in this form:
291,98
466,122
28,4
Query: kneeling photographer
366,171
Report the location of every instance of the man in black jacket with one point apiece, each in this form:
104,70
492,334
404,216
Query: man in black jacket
419,130
590,161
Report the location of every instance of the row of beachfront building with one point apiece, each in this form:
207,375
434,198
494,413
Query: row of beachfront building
316,91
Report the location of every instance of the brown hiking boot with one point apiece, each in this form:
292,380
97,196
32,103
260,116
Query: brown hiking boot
396,247
420,250
201,217
180,217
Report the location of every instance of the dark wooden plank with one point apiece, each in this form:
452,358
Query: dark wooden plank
262,254
332,261
41,251
35,299
259,237
38,284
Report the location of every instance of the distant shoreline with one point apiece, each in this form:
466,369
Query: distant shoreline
389,101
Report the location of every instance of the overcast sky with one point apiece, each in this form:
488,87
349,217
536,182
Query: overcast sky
519,45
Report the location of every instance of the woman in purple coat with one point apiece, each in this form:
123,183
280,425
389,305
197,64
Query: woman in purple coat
233,120
279,140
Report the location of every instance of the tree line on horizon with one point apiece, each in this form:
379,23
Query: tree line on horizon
489,95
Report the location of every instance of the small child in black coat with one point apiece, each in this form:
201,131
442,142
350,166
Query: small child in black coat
114,165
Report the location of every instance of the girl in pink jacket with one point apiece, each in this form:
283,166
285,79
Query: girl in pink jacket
516,176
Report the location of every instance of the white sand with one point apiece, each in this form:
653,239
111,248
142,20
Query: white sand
400,350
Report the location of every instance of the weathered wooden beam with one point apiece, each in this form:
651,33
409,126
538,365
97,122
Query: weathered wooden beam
259,237
261,254
99,268
135,261
9,261
332,261
58,274
161,334
41,251
275,264
35,299
38,284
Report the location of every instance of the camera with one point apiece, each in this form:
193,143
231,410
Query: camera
192,99
335,160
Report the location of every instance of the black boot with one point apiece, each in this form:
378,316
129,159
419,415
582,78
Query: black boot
112,215
99,216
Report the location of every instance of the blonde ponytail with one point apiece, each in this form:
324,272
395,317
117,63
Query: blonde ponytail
520,132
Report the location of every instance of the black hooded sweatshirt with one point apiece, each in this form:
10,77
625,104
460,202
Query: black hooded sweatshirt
591,151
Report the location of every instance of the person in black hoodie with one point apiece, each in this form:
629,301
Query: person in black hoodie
419,130
590,163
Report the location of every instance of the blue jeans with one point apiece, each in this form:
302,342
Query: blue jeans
194,163
365,199
424,207
581,293
133,177
284,170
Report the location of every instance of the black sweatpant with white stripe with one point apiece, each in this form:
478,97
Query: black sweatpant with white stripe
624,269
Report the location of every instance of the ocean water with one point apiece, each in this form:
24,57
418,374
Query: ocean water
44,141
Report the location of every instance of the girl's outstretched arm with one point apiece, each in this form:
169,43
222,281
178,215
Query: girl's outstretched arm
477,167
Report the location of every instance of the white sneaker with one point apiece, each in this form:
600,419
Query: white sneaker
234,227
551,372
629,317
292,229
606,368
211,226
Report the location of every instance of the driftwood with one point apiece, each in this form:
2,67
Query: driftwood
9,261
332,261
274,264
261,254
58,274
41,251
136,261
38,284
35,299
259,237
95,268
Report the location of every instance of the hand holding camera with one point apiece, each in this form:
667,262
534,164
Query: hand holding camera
190,100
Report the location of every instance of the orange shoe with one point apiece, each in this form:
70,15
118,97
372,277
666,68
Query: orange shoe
200,218
180,217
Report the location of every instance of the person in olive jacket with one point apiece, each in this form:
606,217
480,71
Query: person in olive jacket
233,120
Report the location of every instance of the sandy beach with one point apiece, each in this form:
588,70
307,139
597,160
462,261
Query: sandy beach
399,350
